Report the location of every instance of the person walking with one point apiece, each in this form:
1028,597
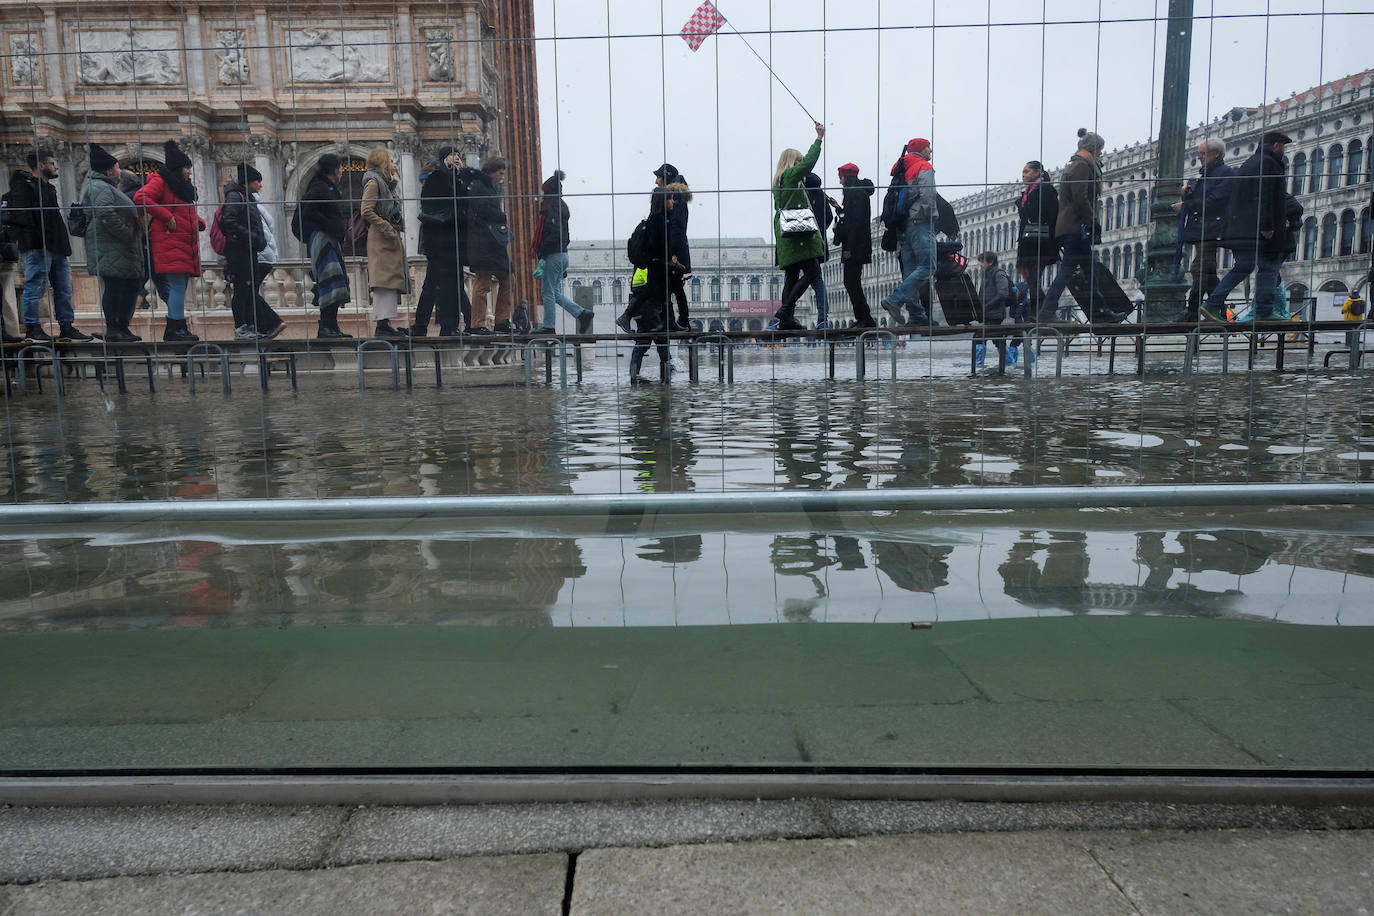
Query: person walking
320,222
174,227
823,209
798,254
667,176
854,236
1076,230
486,248
553,249
441,217
1202,219
996,295
1256,229
653,299
11,278
114,244
44,245
919,209
387,276
268,321
1037,212
245,239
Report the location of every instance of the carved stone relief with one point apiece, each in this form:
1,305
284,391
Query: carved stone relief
338,55
135,57
24,61
439,63
231,57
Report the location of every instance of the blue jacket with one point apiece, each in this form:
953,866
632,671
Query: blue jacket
1203,214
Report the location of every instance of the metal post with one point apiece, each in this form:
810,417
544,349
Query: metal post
395,362
1165,284
859,351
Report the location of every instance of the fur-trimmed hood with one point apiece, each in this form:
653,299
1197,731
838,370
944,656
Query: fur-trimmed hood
680,187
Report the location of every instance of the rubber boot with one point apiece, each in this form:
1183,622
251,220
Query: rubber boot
636,361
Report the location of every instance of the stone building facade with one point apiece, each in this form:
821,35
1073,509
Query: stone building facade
278,85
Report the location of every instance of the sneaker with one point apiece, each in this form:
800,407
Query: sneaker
421,330
331,333
11,339
919,318
275,330
119,335
894,310
866,323
584,321
546,330
387,332
623,322
481,332
771,326
788,324
1209,315
822,326
503,327
69,332
244,332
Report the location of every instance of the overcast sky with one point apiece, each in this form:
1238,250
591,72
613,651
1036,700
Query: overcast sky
991,87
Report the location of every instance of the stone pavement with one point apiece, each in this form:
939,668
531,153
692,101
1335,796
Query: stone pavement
786,856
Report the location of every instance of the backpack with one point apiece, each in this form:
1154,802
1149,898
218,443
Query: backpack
218,243
78,219
297,225
893,214
355,236
637,248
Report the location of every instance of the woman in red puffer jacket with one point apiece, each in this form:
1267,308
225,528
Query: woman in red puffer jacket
174,227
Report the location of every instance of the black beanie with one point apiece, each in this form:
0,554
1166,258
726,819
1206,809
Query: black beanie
329,162
176,159
101,161
247,173
444,152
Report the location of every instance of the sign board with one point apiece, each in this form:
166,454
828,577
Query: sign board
754,308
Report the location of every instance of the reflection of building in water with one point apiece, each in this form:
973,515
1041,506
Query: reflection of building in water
278,85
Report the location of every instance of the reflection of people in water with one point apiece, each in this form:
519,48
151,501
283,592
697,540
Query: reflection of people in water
912,566
1063,582
662,452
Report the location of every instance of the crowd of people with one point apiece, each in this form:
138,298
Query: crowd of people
137,231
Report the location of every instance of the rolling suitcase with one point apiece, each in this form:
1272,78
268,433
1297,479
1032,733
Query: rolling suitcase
1114,298
958,299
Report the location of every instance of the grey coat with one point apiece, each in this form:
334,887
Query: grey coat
114,239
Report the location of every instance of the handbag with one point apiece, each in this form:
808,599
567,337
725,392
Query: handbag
797,222
355,236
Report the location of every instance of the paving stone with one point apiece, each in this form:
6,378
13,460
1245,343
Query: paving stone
1242,871
898,875
55,843
492,886
390,834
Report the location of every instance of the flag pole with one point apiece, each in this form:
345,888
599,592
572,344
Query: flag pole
765,64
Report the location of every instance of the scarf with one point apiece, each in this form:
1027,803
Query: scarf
181,187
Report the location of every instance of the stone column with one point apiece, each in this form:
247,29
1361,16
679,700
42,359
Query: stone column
408,154
1165,284
54,61
262,54
192,41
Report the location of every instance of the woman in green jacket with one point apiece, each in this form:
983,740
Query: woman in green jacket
798,256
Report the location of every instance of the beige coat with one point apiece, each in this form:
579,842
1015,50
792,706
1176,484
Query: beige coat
386,251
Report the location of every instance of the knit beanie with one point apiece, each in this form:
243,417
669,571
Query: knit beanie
1090,141
101,161
849,168
176,159
247,173
329,162
444,153
917,145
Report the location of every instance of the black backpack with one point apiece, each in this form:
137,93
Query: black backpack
297,222
892,216
637,248
78,220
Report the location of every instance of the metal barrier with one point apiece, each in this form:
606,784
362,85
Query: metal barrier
1195,344
1033,344
1355,340
207,350
725,357
23,356
395,362
547,344
860,351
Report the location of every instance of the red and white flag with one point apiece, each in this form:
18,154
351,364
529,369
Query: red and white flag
705,22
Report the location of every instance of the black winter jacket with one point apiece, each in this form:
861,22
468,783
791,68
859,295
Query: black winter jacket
854,234
322,209
1257,205
1203,215
440,213
33,205
1035,244
241,222
681,247
556,236
485,244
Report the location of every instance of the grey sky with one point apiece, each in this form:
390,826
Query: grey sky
967,74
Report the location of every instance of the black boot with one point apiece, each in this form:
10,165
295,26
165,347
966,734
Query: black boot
636,361
177,332
329,325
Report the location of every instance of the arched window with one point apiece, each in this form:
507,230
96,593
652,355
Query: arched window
1314,171
618,290
1328,235
1335,167
1355,167
715,289
1364,231
696,289
1130,209
755,287
1309,238
1011,234
774,286
1120,210
1143,208
1139,261
1347,244
1116,261
1099,212
1299,173
1111,215
735,289
596,291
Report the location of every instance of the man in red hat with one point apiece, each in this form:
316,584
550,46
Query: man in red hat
917,206
854,235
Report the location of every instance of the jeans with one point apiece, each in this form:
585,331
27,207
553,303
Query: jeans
41,269
1266,267
119,299
822,299
1077,255
918,257
172,289
551,288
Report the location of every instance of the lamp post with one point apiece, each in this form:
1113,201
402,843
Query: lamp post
1165,282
